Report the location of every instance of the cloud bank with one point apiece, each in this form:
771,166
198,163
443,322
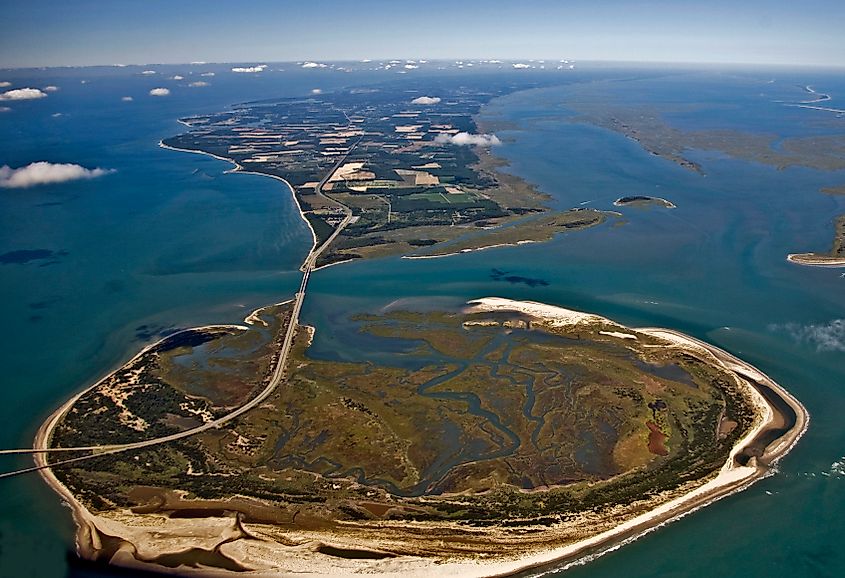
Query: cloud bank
43,173
521,65
426,100
313,65
22,94
466,139
258,68
825,337
160,92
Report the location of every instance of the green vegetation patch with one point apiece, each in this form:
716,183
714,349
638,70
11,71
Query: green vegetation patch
179,383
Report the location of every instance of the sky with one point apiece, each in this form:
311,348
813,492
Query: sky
89,32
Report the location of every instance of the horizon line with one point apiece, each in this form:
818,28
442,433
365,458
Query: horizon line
452,60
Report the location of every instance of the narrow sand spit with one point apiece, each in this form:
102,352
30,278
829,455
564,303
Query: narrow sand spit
554,316
813,260
472,250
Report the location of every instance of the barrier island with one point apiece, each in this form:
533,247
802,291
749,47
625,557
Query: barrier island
503,436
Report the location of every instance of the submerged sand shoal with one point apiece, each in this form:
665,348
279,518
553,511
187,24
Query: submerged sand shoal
148,538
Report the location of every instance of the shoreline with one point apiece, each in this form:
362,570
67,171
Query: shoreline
729,479
814,260
85,533
239,169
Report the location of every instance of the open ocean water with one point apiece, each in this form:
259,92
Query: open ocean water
169,241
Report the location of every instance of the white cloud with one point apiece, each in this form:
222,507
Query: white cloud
825,337
177,77
5,109
5,83
466,139
258,68
521,65
22,94
316,91
207,74
313,65
42,173
149,72
127,99
426,100
411,66
51,88
199,83
160,92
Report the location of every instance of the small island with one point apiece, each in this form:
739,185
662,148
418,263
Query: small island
500,437
643,201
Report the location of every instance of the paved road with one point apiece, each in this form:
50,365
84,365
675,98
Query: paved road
42,441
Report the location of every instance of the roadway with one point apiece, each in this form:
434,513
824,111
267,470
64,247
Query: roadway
41,446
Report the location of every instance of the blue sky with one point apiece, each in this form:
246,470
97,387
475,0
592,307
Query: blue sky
84,32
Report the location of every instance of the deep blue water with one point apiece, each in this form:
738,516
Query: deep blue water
169,241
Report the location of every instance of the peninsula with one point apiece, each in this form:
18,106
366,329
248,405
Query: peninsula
411,170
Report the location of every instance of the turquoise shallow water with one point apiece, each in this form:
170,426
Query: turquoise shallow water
169,241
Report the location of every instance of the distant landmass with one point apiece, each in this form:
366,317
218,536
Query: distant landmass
412,172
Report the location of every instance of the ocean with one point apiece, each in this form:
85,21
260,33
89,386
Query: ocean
168,240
